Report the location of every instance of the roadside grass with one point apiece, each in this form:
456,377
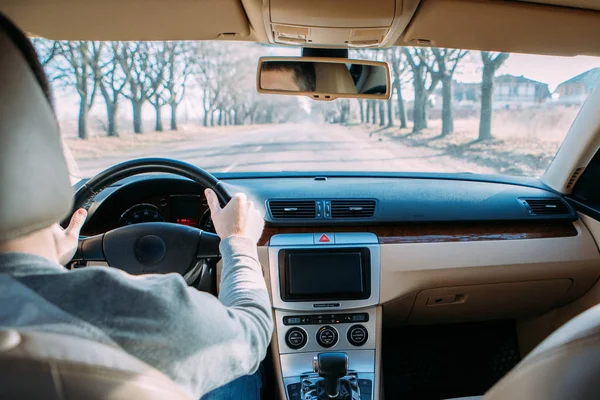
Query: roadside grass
524,142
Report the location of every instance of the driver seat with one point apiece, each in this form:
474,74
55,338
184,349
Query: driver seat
49,366
35,193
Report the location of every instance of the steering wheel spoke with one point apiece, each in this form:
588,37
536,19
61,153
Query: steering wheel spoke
90,249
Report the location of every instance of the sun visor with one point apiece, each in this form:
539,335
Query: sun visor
34,182
349,23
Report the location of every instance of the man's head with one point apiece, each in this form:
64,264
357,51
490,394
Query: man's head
290,76
35,191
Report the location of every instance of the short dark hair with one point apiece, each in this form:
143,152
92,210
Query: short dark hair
26,48
304,72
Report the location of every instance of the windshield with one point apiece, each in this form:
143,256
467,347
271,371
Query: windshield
450,110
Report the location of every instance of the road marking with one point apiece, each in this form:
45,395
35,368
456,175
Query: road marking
232,166
258,148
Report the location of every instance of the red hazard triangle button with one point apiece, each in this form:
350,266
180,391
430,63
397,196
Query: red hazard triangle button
324,239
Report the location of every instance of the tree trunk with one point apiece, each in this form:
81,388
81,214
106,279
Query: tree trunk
362,110
447,114
401,109
111,118
212,118
381,113
82,126
137,116
174,117
373,111
420,110
158,127
487,89
390,111
205,118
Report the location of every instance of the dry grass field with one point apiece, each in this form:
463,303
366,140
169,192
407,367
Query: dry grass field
525,141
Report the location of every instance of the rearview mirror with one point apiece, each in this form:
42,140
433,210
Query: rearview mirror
323,78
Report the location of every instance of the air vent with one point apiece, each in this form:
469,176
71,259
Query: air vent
292,209
546,207
352,208
574,177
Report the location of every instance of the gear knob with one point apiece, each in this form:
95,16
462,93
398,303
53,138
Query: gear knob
331,367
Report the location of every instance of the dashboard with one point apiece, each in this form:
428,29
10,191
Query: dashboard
478,245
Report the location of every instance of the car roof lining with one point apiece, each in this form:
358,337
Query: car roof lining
559,27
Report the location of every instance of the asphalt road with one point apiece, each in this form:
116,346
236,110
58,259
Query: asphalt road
297,147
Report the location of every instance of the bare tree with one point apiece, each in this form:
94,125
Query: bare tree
421,61
207,61
159,63
491,63
46,49
77,73
111,79
390,111
399,72
447,60
135,59
180,60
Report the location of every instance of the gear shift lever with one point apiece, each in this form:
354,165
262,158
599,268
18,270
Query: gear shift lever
331,367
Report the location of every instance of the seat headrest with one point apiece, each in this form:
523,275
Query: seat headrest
35,191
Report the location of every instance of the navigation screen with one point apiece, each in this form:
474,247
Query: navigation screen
326,274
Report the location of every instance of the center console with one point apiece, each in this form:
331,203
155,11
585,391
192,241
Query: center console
325,289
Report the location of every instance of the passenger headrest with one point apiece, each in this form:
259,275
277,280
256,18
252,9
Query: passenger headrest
35,191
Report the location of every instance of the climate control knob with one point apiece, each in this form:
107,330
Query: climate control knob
327,336
357,335
296,338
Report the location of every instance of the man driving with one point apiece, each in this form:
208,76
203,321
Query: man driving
200,342
288,76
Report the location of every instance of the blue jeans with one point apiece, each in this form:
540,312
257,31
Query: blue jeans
247,387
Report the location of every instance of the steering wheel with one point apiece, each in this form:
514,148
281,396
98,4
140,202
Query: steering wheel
152,247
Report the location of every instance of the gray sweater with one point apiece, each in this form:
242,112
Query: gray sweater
201,342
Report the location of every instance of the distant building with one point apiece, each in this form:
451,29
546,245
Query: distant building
519,92
575,90
509,92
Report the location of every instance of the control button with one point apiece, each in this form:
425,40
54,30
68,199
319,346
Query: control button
357,335
366,387
324,238
294,390
327,336
296,338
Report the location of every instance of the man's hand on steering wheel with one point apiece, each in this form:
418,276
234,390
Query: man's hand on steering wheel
66,240
239,217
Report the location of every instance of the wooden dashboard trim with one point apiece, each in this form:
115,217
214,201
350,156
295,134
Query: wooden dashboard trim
444,232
